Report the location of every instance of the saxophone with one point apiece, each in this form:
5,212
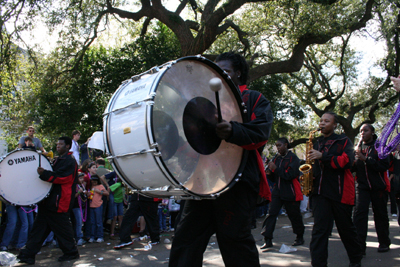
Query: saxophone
306,180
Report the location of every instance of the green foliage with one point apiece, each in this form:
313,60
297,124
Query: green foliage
76,100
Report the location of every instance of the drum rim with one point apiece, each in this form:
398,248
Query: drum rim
50,187
238,97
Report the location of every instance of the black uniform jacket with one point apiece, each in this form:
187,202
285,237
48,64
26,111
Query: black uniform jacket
64,178
286,177
370,175
253,133
332,173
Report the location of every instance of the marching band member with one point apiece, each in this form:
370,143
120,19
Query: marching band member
284,171
54,210
334,193
372,186
394,177
229,215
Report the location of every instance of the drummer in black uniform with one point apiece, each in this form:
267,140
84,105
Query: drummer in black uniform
229,216
53,211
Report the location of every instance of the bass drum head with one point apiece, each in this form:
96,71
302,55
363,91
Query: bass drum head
183,125
19,181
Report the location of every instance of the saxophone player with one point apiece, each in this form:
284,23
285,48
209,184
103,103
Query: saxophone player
283,169
334,193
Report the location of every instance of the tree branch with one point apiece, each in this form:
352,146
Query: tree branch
295,62
241,34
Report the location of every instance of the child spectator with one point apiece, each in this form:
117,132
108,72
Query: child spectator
29,144
162,214
118,191
80,210
173,207
86,178
85,170
96,209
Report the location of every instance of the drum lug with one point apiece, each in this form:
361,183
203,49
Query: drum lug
200,57
154,145
166,188
151,96
154,70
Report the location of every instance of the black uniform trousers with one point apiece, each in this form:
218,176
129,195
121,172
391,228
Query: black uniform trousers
293,212
392,195
379,201
45,222
136,208
325,211
228,216
398,207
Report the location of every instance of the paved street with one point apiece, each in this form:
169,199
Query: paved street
104,255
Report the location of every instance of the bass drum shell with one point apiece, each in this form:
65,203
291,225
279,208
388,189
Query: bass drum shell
19,181
153,150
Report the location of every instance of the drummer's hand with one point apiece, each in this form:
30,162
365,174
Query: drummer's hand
40,170
271,166
314,154
224,130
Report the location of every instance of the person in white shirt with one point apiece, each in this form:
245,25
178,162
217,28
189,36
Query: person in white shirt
76,135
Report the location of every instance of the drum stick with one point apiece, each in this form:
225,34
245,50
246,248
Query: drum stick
215,85
40,159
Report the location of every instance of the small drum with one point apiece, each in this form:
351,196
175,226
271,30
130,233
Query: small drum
19,181
159,128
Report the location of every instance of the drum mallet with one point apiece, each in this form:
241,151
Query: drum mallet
215,85
40,158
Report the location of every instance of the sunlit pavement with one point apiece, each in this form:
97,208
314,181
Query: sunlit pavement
103,254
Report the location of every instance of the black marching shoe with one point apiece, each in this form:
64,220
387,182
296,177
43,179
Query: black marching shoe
66,257
24,259
267,244
355,264
298,242
383,248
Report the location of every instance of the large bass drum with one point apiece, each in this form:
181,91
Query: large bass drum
159,130
19,181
